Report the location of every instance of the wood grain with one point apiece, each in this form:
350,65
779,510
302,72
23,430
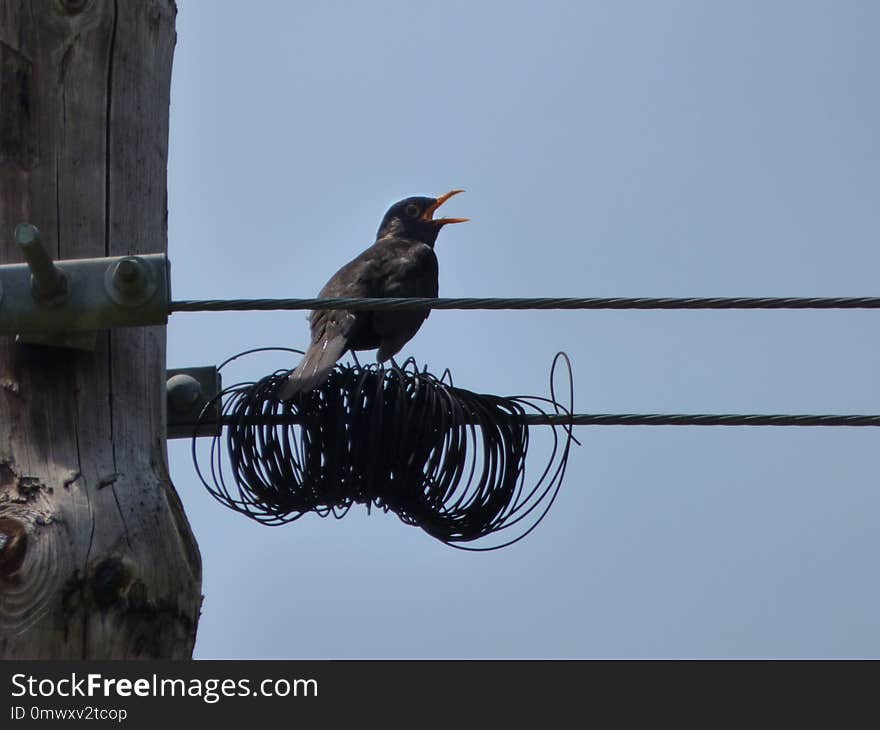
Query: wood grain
99,560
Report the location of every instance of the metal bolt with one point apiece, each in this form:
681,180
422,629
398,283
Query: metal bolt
128,270
192,395
49,282
127,276
129,281
184,392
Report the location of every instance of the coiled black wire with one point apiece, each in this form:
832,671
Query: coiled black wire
400,439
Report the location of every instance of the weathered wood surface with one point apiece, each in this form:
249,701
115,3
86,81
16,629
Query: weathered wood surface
97,558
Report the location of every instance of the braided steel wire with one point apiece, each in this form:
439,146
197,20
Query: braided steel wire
399,439
717,419
391,303
649,419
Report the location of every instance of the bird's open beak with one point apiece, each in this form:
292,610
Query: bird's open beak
428,215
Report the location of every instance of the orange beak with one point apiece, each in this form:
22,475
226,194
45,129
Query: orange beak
428,215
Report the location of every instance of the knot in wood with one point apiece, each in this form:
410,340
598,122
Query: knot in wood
73,7
13,545
110,578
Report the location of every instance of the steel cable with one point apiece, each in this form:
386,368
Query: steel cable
390,303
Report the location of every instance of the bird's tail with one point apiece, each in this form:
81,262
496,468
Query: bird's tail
315,366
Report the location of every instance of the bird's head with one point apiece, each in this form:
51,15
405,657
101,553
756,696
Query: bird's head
413,218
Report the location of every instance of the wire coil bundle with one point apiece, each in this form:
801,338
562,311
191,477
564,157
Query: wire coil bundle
445,459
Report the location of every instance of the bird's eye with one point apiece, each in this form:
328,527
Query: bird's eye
412,210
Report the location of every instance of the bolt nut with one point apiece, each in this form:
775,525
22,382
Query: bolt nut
127,270
130,281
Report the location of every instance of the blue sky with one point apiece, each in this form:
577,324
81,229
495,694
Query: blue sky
608,149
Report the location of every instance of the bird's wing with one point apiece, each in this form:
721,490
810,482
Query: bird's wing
354,280
410,272
332,329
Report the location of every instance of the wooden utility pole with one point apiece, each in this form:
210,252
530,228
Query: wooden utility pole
97,559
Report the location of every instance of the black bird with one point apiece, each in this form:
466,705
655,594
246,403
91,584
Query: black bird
401,263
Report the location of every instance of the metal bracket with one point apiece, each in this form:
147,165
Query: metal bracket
63,303
189,390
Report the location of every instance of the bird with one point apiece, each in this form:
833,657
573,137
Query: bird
401,263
